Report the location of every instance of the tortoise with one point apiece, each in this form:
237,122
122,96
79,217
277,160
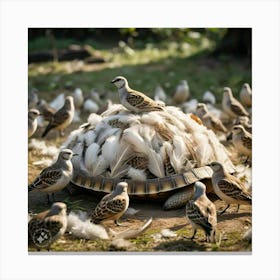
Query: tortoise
159,154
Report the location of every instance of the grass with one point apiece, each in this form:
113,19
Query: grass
145,69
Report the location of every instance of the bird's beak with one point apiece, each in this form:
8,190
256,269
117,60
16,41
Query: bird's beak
75,155
112,81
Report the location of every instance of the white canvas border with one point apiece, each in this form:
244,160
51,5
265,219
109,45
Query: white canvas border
17,16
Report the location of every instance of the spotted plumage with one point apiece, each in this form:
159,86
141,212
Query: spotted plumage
232,106
242,140
112,206
135,101
229,188
208,119
55,177
62,118
46,227
201,212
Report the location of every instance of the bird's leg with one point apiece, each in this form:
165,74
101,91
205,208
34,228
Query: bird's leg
194,233
223,211
238,205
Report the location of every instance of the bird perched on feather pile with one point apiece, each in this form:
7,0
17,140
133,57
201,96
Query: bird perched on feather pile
32,121
133,100
201,212
208,119
229,188
48,226
62,118
231,106
55,177
112,206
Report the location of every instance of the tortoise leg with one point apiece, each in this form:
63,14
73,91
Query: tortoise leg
179,199
223,211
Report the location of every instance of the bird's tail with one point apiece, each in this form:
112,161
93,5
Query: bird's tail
31,187
48,128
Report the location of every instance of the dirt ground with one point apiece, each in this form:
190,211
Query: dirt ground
231,225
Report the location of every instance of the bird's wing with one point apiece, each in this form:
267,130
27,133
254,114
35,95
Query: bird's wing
217,124
237,108
233,188
47,177
53,224
247,141
60,117
197,213
108,208
141,101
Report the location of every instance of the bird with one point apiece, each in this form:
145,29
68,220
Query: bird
48,226
46,110
134,101
55,177
182,93
209,97
245,122
242,140
229,188
209,119
245,95
232,106
62,118
78,98
201,212
32,121
112,206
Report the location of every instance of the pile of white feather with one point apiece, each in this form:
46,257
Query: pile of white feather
164,142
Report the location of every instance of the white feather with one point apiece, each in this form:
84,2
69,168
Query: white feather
95,163
136,174
113,109
91,155
81,228
119,156
94,119
155,164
